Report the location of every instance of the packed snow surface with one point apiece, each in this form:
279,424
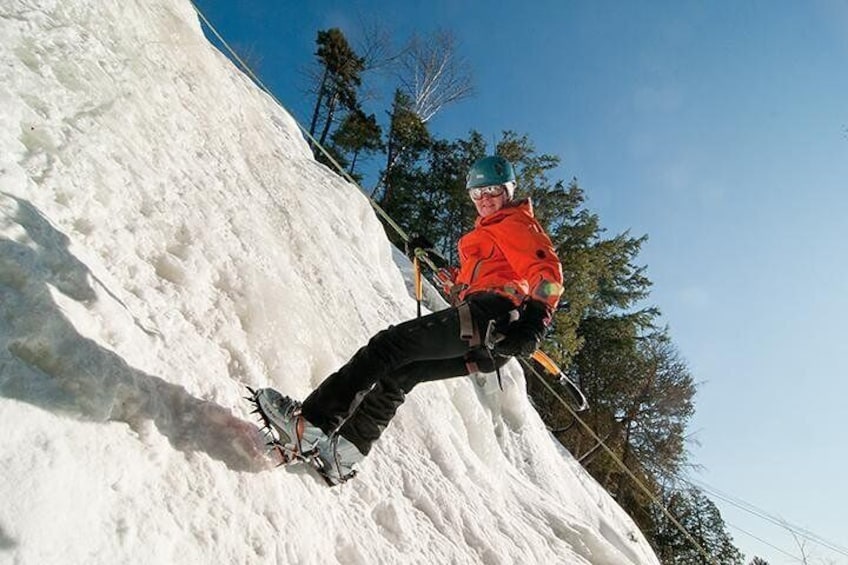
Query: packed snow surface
166,239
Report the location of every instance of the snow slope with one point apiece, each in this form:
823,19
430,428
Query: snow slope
165,240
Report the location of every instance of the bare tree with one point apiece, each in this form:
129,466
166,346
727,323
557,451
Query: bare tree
376,46
433,75
379,53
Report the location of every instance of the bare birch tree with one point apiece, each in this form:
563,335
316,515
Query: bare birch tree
433,75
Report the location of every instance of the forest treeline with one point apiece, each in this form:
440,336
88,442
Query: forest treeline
606,336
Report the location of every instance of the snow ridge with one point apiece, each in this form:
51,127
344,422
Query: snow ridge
165,240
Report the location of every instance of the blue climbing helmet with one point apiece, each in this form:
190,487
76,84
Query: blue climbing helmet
490,171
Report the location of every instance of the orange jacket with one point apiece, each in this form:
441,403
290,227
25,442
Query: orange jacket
510,254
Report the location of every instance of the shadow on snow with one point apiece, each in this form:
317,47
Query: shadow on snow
45,362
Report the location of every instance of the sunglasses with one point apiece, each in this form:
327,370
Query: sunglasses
481,191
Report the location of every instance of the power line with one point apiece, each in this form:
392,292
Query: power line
764,542
794,528
765,515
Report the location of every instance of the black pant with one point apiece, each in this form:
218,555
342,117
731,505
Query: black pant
361,398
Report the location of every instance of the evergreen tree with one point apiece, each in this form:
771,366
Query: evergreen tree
408,138
642,400
702,519
340,78
357,134
429,196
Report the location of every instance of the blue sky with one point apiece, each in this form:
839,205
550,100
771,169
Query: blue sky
718,129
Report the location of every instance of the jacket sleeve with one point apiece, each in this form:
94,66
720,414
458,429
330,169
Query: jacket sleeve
531,254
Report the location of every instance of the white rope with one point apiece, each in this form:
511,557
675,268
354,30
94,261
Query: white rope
382,213
623,467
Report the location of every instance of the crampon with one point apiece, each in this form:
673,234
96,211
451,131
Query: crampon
282,425
290,435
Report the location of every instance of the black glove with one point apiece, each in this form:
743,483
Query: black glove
417,241
522,337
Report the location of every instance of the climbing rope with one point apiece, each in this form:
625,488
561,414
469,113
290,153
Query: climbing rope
621,464
382,213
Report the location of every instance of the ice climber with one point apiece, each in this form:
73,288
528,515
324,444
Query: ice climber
509,274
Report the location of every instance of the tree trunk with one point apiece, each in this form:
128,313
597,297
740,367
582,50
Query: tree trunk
625,451
390,151
321,91
353,163
331,110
